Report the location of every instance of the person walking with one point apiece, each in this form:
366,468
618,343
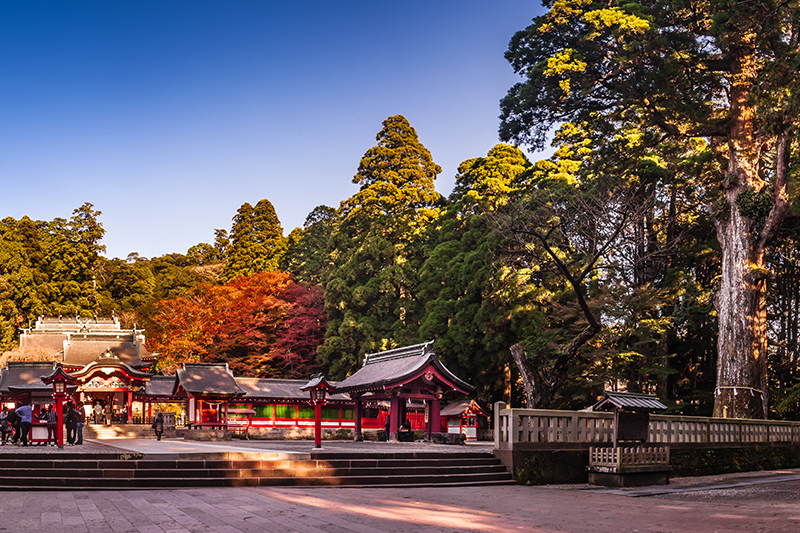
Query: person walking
81,423
26,419
158,425
50,416
72,423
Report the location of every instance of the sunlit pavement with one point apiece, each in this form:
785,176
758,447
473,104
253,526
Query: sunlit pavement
766,507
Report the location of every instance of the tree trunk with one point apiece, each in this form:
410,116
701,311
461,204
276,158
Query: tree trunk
741,310
743,234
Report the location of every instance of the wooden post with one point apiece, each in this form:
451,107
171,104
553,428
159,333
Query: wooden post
393,417
357,436
498,427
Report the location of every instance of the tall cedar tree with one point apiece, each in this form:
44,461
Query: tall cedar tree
726,72
376,250
256,241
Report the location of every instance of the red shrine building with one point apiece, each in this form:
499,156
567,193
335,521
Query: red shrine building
111,367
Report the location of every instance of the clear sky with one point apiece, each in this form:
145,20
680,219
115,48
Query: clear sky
169,115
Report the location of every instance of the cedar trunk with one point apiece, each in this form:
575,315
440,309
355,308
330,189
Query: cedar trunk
741,300
741,309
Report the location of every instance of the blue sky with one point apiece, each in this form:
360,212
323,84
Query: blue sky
168,115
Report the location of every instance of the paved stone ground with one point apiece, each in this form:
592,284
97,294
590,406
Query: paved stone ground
750,502
383,510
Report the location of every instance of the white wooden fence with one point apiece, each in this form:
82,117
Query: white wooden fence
537,428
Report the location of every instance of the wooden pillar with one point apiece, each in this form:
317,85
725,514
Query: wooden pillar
129,403
436,420
394,414
357,435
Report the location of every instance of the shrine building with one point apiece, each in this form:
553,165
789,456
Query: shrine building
112,371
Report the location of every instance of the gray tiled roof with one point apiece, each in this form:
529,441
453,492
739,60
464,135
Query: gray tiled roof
160,386
258,388
24,373
199,378
386,368
629,400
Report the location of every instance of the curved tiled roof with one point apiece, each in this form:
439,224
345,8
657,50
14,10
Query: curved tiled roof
384,369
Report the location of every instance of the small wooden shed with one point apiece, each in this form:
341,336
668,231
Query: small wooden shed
628,462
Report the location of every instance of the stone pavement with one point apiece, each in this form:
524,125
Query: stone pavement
747,508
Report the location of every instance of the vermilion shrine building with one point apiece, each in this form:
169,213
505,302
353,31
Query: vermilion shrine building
111,367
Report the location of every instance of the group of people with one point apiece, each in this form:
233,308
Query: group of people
15,424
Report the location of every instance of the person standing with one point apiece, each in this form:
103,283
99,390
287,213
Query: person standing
158,426
4,425
13,421
26,419
81,423
50,416
98,411
72,423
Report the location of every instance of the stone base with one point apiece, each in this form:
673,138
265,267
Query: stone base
642,476
448,438
207,435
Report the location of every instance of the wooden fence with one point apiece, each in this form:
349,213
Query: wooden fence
543,429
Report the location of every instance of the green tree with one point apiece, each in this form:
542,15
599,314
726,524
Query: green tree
466,314
256,241
726,72
377,248
307,257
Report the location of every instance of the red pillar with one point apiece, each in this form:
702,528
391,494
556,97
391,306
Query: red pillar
436,423
394,417
60,415
318,425
130,406
357,436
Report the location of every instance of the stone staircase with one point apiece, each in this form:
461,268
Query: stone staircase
75,471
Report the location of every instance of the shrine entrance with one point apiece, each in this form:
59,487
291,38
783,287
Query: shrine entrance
400,376
108,385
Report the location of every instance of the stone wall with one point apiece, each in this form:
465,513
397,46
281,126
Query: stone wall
541,467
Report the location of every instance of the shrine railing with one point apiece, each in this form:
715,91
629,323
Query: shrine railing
543,429
622,457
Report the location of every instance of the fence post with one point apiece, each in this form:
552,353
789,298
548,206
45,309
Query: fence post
498,426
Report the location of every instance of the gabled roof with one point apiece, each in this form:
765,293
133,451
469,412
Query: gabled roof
461,407
628,400
108,360
205,378
277,389
395,367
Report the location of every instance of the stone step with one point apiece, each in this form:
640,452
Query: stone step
76,470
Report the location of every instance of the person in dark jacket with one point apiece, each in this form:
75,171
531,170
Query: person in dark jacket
50,416
158,426
13,420
72,423
5,426
81,422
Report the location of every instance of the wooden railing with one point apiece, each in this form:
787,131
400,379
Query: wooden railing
535,428
622,457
